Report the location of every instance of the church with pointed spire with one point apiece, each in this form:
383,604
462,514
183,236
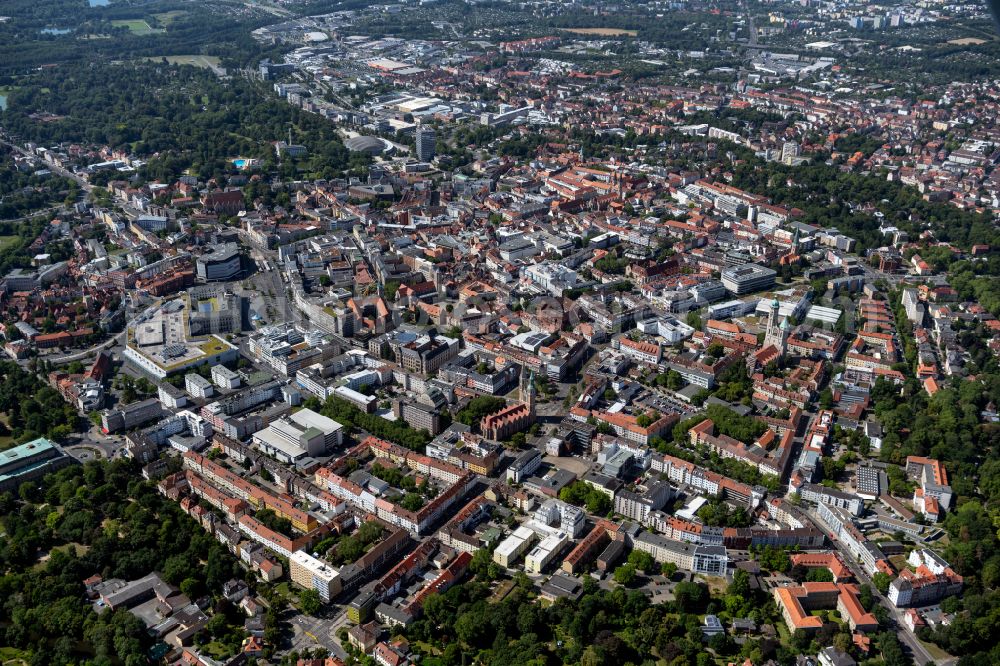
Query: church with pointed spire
528,391
776,333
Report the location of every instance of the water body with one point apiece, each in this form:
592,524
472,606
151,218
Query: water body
99,3
55,31
3,102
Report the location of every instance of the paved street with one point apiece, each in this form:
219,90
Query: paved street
93,445
917,650
311,632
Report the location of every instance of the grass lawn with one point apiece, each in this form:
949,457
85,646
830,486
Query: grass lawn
166,18
6,441
78,548
136,26
427,648
934,651
205,62
716,584
216,649
10,656
7,241
285,589
212,346
783,634
502,591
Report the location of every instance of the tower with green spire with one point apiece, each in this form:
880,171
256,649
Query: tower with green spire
529,394
777,329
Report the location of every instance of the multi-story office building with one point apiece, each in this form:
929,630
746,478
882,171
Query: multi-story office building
213,309
841,524
514,546
562,516
426,353
301,434
638,506
221,262
524,465
130,416
426,143
545,552
838,498
286,349
237,403
419,415
711,560
748,278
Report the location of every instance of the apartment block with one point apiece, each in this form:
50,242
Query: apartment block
314,574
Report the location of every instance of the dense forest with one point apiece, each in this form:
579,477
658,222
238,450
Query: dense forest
935,63
619,626
397,432
22,193
70,31
666,29
184,117
949,426
831,198
32,407
99,518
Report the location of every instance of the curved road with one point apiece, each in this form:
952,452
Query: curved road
76,356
